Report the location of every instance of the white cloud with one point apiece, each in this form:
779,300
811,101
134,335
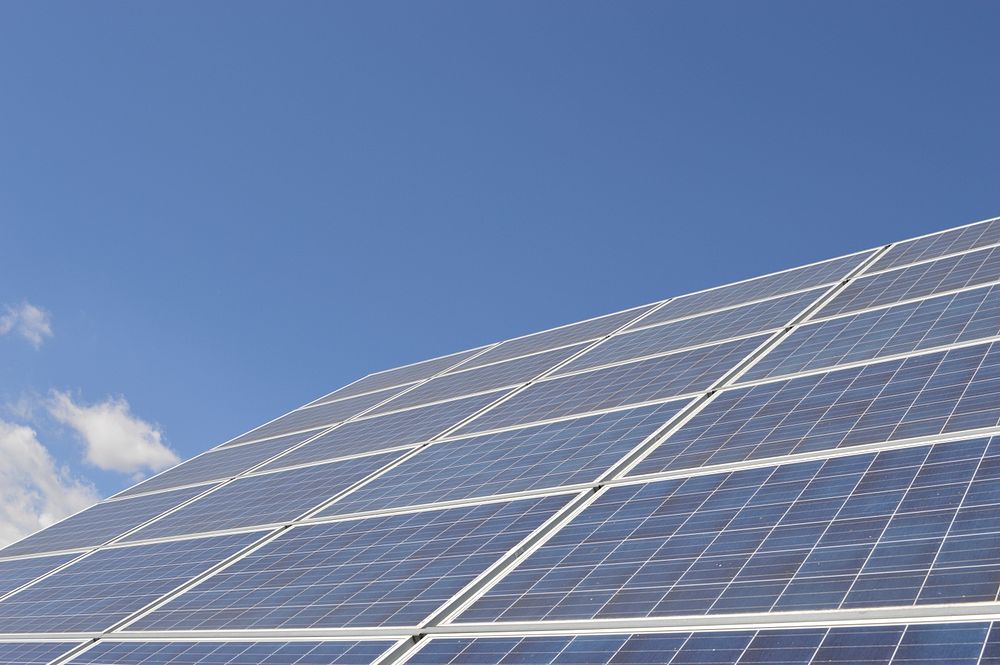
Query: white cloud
30,322
114,439
34,491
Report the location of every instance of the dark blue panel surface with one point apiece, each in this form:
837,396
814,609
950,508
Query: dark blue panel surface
17,572
939,244
338,652
560,453
902,527
33,653
379,571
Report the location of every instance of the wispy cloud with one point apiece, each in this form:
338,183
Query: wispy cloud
114,439
29,321
34,490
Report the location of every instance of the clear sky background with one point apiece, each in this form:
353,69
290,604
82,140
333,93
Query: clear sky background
223,210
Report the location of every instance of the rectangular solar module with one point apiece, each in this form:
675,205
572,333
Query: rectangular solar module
799,468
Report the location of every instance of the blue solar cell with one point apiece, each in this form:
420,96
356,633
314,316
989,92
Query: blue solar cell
942,392
550,339
391,430
924,324
939,244
104,588
797,279
380,571
271,498
489,377
102,522
925,279
619,385
316,417
902,527
751,319
917,644
218,464
16,572
560,453
339,652
33,653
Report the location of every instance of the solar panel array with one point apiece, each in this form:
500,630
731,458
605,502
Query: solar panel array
799,468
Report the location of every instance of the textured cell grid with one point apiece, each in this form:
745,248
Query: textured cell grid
341,652
394,429
919,281
219,464
560,453
378,571
797,279
266,499
489,377
564,336
104,588
619,385
912,526
102,522
923,324
729,323
918,644
16,572
33,653
942,392
939,244
316,417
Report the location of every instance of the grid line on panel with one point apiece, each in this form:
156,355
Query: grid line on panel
237,651
35,653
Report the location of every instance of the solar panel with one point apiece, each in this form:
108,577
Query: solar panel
17,572
915,644
100,590
218,464
939,244
562,453
900,527
918,396
705,329
270,498
619,385
557,337
380,571
961,317
921,280
481,379
102,522
776,284
235,652
391,430
33,653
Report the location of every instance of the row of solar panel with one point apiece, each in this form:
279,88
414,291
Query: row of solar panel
902,527
917,644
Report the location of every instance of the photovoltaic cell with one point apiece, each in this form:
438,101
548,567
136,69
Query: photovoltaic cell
219,464
904,527
340,652
550,339
935,393
924,324
543,456
381,571
925,279
33,653
767,286
394,429
619,385
313,417
16,572
939,244
399,376
267,499
102,522
918,644
756,318
104,588
489,377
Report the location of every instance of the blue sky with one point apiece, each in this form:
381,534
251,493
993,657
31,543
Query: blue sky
227,209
